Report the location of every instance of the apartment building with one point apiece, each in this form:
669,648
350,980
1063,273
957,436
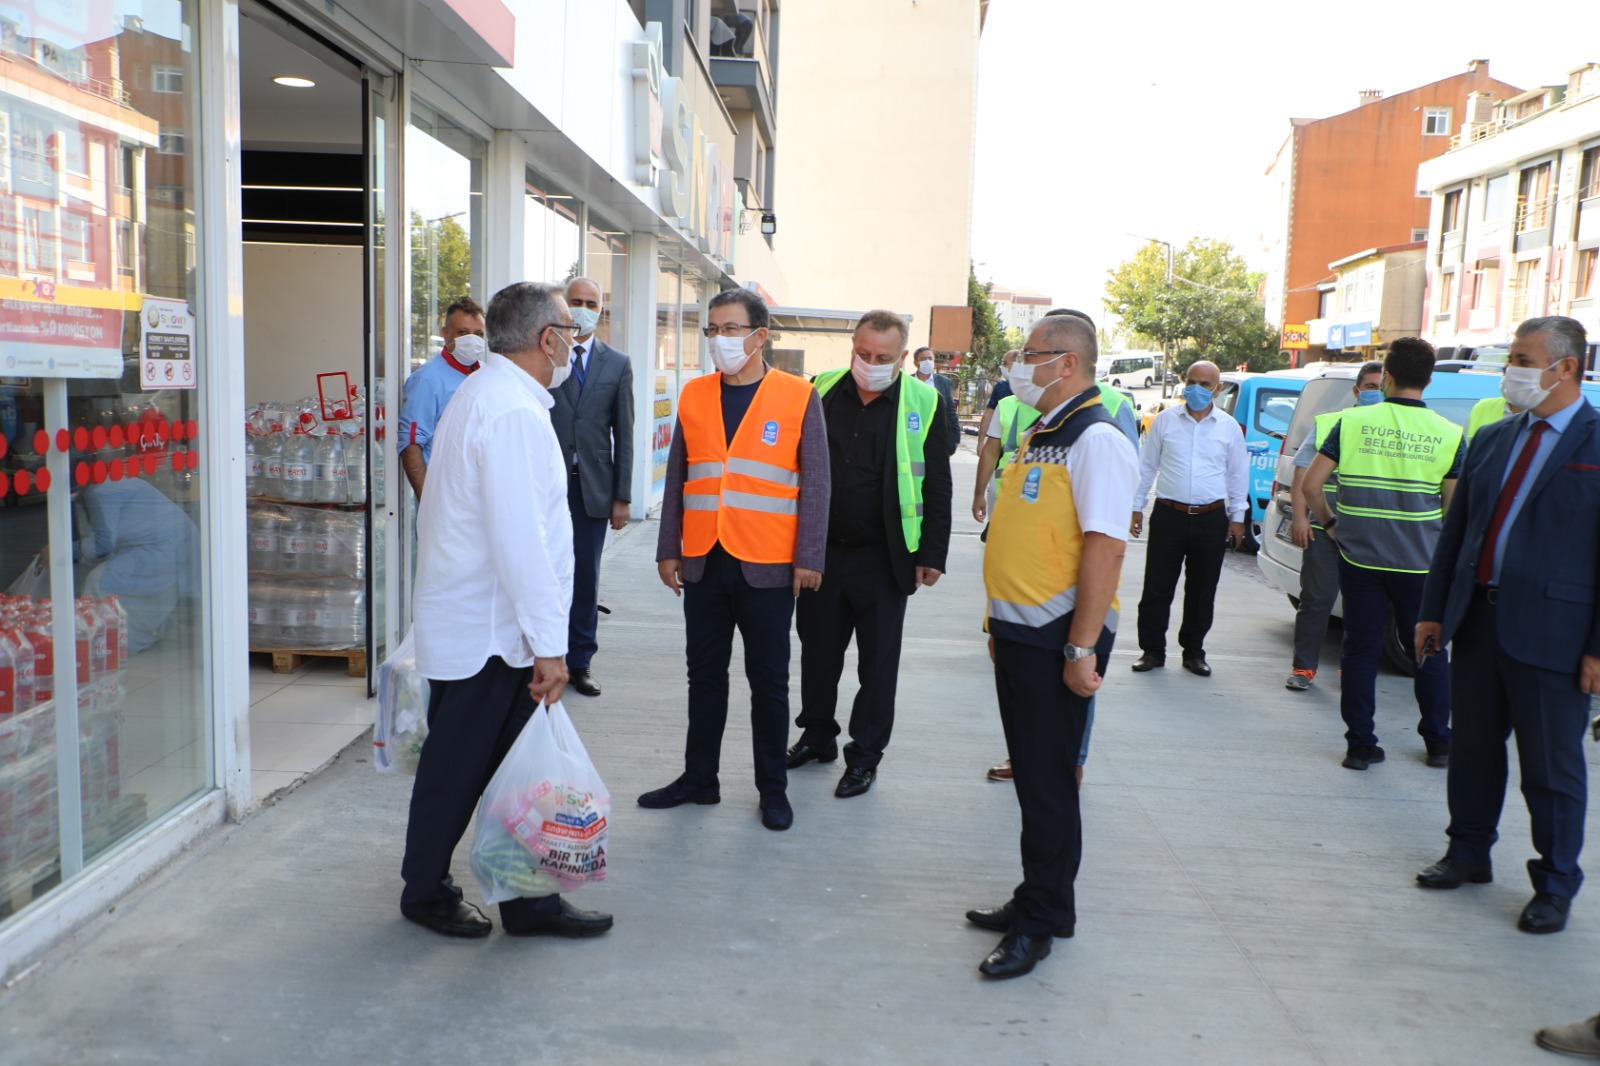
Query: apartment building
1018,308
1514,230
1348,182
1374,296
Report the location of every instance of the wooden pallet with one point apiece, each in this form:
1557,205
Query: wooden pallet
288,660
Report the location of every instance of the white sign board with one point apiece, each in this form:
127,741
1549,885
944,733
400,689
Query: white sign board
166,345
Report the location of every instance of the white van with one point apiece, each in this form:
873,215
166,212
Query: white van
1129,369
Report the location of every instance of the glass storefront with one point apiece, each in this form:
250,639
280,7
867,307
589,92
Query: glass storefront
103,657
551,233
444,192
606,261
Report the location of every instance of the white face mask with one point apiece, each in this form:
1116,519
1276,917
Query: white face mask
585,319
925,368
468,349
873,377
1020,375
559,372
728,354
1523,386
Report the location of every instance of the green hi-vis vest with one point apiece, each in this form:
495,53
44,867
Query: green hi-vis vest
1017,417
919,403
1393,459
1485,412
1030,567
1323,424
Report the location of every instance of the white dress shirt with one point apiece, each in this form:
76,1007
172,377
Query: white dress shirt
494,536
1102,466
1194,461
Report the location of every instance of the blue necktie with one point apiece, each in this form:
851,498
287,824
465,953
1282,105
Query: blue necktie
578,370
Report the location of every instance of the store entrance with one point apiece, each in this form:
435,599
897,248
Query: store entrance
310,419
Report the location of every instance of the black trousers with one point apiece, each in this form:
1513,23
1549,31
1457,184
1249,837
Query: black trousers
1195,545
472,723
858,597
1496,696
588,542
713,607
1044,722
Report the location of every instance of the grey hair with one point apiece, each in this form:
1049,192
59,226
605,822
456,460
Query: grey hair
1569,338
599,288
1071,333
519,313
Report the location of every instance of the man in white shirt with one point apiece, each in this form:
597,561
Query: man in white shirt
1194,455
494,588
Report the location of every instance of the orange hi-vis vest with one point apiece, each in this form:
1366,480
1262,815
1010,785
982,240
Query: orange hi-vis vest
745,495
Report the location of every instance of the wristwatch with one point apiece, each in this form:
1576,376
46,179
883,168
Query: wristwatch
1076,654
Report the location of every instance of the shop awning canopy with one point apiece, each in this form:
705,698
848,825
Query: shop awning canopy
818,319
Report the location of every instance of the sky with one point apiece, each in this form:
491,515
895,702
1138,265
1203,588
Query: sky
1100,120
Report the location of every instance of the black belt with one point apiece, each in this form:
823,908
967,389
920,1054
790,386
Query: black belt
1191,508
1489,594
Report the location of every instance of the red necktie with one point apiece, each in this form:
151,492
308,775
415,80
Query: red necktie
1508,495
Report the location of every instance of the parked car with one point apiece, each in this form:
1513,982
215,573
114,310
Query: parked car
1263,405
1451,395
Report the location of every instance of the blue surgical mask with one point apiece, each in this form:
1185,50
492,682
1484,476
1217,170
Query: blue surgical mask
1198,397
1368,397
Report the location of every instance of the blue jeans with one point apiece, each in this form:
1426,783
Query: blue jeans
1368,597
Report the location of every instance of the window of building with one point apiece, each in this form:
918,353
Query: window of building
1589,174
1419,234
1584,286
1436,121
164,79
39,241
173,141
5,153
550,230
1347,295
1324,304
75,238
1533,198
1485,283
74,150
1447,295
1369,288
1494,197
1450,218
606,261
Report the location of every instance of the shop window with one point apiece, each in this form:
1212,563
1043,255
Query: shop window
444,184
1436,121
551,233
606,261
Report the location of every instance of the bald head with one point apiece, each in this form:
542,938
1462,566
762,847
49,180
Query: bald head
1204,373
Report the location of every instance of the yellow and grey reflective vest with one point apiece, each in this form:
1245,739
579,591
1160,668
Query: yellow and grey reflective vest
1485,412
919,403
1320,429
1393,459
1030,568
1016,418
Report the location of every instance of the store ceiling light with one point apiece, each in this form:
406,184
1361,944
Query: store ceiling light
294,83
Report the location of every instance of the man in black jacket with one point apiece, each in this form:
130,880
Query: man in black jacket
888,535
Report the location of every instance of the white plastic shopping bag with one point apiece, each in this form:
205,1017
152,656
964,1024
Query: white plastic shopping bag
542,820
401,724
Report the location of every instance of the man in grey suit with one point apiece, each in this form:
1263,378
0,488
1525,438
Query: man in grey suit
593,418
926,375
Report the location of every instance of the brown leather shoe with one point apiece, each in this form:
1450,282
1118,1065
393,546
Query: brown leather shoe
1001,772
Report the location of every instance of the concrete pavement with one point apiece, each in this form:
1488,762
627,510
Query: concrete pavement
1243,898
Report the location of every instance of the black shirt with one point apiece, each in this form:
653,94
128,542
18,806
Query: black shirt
1001,390
859,440
735,402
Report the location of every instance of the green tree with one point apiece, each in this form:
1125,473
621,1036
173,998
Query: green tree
441,271
988,340
1206,308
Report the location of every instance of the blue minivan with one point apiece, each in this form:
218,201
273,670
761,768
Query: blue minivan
1263,405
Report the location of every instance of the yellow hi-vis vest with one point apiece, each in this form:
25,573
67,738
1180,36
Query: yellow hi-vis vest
1030,566
1485,412
1320,429
918,404
1393,459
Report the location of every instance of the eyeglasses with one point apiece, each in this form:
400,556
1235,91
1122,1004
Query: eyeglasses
558,325
1027,353
729,329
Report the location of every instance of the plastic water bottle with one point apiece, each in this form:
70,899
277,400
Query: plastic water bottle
346,624
262,522
91,638
116,623
299,462
355,459
36,627
9,704
296,539
264,611
329,473
252,462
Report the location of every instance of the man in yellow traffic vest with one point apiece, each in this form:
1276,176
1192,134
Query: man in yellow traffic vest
888,536
1319,556
1397,464
1486,412
1050,573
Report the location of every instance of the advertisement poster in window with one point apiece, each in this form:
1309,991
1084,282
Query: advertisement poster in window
660,437
166,345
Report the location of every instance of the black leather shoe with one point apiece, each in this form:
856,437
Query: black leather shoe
776,814
1196,664
1361,758
806,750
1149,661
855,781
1545,913
1453,873
583,684
1016,955
459,918
999,919
679,793
570,921
1439,754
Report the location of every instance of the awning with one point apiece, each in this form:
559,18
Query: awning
818,319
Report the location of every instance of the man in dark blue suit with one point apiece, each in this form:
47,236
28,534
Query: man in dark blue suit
1515,584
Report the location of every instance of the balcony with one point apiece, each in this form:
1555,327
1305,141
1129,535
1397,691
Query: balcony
745,82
